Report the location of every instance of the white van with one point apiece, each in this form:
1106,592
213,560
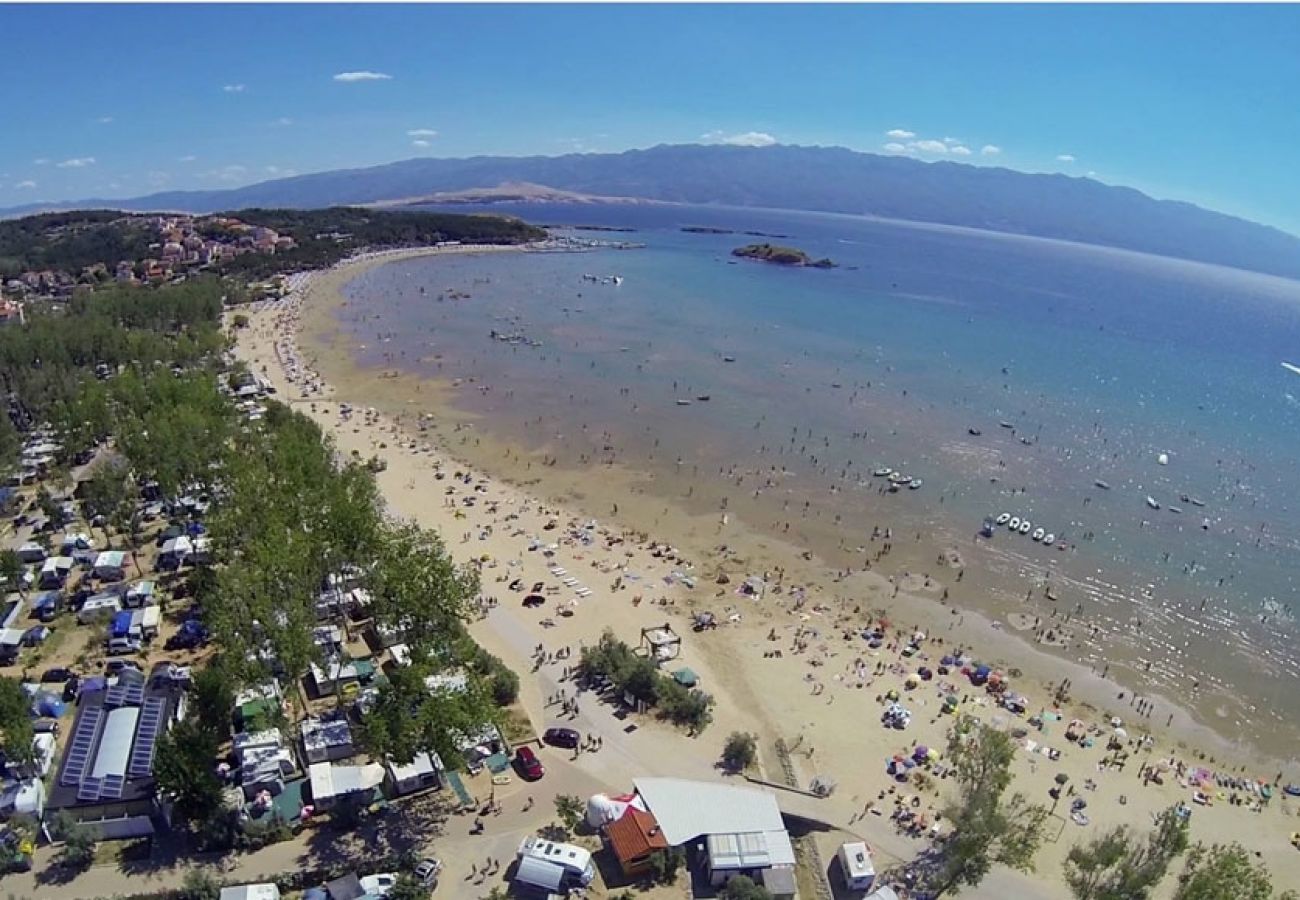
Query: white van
855,863
575,861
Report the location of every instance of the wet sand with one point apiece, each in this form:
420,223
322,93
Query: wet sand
810,610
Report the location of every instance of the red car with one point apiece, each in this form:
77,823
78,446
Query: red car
528,763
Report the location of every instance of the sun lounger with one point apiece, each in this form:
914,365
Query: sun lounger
583,592
570,581
557,571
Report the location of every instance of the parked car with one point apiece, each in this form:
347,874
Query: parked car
115,666
120,645
378,885
427,872
71,688
530,767
562,737
36,635
56,675
45,726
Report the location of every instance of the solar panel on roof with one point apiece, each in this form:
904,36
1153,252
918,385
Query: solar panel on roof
81,745
88,792
135,694
114,696
111,787
146,738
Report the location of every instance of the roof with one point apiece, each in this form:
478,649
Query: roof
539,873
328,780
110,559
635,834
739,851
115,745
265,891
421,764
346,888
320,733
687,809
857,859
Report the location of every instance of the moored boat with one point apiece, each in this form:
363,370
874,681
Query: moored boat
1025,526
1038,534
1152,502
1004,518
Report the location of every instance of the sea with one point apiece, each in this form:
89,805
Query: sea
1007,374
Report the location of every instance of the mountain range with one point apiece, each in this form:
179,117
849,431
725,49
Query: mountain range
825,179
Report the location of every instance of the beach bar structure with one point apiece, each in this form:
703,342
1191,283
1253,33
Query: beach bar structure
661,644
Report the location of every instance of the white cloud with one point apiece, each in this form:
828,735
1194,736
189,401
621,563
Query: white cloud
419,143
190,158
895,147
990,150
104,120
25,185
1065,158
744,139
77,162
960,150
41,162
929,146
362,76
283,122
900,134
233,88
422,133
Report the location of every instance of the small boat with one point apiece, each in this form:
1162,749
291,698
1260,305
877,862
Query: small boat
915,483
1006,425
683,403
900,478
1175,509
1101,484
1004,518
974,432
1049,539
1038,534
1195,502
883,471
1027,441
836,384
703,398
728,359
1014,523
618,279
1205,524
1025,526
1152,502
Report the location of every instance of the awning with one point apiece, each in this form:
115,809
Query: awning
540,873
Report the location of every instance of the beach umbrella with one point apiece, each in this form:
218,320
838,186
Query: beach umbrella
949,660
918,636
1062,778
1121,733
933,755
921,752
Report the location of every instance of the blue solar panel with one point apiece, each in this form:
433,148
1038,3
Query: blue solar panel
81,746
146,738
111,787
89,789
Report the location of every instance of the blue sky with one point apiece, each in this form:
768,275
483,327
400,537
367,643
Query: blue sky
1189,102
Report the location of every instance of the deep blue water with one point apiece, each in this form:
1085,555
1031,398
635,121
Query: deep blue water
1101,359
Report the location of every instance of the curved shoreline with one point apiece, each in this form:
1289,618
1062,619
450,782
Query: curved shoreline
760,691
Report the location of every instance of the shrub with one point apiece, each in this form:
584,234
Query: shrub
740,752
742,887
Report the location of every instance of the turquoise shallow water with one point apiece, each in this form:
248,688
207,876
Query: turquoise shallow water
1100,360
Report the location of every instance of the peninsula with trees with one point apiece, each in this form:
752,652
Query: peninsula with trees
781,256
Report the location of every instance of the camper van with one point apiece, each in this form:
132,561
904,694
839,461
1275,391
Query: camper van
855,863
575,862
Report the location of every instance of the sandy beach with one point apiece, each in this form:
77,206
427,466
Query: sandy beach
788,659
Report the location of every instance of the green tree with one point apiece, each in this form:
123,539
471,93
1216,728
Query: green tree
987,829
740,751
108,492
665,864
406,887
408,717
419,591
742,887
213,695
1118,865
15,722
78,842
12,570
185,769
1221,871
199,884
570,810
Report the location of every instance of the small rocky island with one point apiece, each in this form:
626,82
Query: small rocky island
782,256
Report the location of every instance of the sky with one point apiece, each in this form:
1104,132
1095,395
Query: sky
1195,103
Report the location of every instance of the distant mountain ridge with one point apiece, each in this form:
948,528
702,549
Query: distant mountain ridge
825,179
